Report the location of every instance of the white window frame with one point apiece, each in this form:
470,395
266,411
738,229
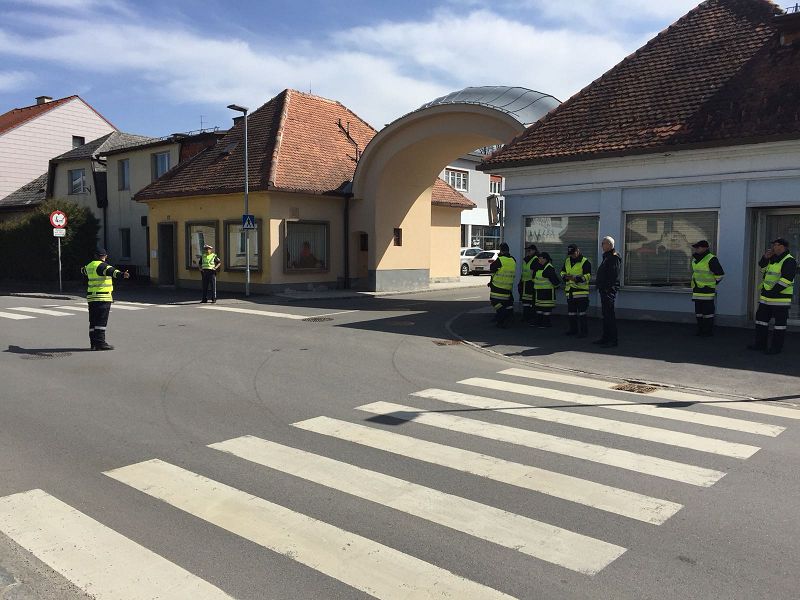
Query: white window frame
154,160
71,188
457,178
495,187
124,182
624,245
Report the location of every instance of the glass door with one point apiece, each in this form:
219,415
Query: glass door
781,224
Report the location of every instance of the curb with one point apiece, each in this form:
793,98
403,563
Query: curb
668,386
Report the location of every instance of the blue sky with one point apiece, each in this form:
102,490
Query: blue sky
154,68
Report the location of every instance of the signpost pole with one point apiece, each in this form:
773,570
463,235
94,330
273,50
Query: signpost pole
60,288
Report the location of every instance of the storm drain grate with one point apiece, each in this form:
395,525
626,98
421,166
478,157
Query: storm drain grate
317,319
639,388
44,355
446,342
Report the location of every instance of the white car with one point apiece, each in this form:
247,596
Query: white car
482,262
467,254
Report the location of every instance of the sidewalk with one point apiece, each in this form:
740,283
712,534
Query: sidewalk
666,353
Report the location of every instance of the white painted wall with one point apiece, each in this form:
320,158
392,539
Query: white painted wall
736,181
26,150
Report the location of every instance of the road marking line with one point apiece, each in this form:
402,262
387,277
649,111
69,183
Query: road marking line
546,542
118,302
640,463
359,562
641,432
41,311
581,491
250,311
15,317
119,306
78,307
470,298
663,394
673,414
341,312
100,561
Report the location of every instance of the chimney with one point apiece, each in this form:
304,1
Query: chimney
788,25
237,120
43,99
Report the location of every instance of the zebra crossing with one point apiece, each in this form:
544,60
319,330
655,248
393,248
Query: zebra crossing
94,557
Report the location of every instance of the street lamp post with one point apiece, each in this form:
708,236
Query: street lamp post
243,110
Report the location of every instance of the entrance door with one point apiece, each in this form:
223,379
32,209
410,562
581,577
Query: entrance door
780,223
166,253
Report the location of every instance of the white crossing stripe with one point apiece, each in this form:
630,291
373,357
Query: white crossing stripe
652,410
41,311
78,307
119,306
250,311
543,541
641,463
14,316
642,432
364,564
118,302
664,394
581,491
98,560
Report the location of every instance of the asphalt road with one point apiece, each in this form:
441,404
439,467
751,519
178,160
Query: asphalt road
310,406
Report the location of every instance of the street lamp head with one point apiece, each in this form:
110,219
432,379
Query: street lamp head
236,107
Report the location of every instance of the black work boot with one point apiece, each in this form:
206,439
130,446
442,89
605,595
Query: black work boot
583,326
708,327
573,325
100,341
700,327
761,338
93,339
778,336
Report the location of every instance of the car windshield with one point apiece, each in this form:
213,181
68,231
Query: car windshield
485,255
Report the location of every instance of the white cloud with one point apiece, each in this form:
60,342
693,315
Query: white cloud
380,72
11,81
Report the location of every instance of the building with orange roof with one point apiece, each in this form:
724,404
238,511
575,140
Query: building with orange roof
31,135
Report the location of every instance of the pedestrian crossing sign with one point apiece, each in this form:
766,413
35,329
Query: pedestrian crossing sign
248,222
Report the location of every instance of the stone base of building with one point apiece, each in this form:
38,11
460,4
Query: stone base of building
399,280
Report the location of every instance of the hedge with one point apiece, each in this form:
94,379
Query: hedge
30,252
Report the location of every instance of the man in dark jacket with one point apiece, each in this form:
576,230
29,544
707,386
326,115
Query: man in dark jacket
607,286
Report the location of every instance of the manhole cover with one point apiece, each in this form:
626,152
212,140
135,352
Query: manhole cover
317,319
44,355
639,388
446,342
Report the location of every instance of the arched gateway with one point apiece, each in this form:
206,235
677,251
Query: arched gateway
391,207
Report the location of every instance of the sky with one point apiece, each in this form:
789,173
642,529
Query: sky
156,68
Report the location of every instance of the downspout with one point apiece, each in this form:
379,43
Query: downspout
347,198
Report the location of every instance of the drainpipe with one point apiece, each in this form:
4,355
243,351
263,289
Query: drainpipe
347,198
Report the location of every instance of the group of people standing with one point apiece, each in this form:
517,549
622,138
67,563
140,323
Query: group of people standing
539,280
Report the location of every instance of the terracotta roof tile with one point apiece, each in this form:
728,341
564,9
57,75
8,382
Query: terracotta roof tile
295,144
667,92
445,195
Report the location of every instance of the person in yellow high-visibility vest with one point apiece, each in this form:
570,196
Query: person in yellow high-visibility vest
706,274
209,263
501,286
775,298
99,288
545,282
525,286
576,274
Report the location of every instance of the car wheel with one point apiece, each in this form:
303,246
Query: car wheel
465,269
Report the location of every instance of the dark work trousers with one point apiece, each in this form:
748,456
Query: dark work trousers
704,311
504,310
607,299
764,313
209,281
528,306
98,319
576,310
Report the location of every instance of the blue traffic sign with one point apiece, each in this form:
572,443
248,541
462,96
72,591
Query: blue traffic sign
248,221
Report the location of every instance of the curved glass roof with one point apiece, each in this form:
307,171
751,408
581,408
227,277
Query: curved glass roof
526,106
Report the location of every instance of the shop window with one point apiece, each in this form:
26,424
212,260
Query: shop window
198,234
658,246
307,246
235,255
552,234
